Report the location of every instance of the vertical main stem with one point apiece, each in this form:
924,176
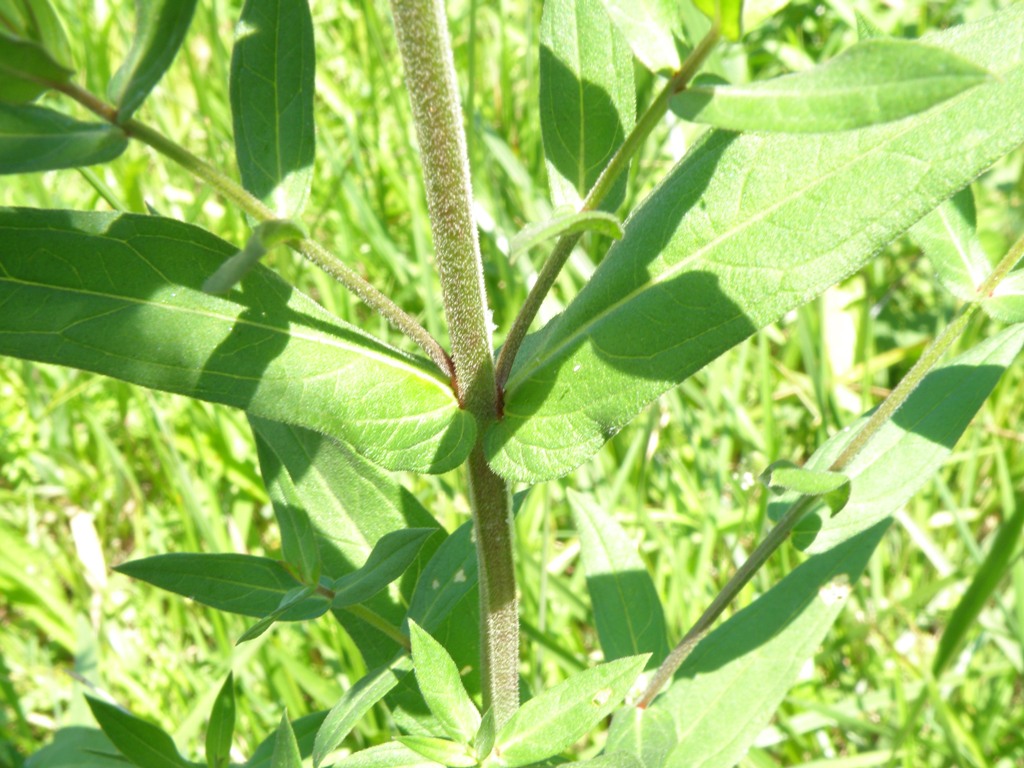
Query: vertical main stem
422,31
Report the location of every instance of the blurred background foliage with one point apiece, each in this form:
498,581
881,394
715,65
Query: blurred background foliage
94,472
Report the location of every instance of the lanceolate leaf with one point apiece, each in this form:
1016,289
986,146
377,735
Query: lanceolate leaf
533,235
160,27
286,748
142,743
300,543
948,237
38,21
121,295
390,558
832,487
873,82
441,751
221,729
648,734
26,70
40,139
450,576
354,703
587,97
745,229
300,599
627,609
350,504
245,584
609,760
442,687
394,754
304,728
272,78
560,716
446,602
650,27
716,716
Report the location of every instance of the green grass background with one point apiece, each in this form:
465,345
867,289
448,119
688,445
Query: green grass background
94,472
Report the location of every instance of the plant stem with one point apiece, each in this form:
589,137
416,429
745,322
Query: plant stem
619,163
233,191
422,31
777,535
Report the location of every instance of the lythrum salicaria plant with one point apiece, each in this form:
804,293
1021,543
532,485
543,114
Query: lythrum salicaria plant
797,182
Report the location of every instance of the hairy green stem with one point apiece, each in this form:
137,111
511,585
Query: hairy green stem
233,191
422,31
778,534
616,166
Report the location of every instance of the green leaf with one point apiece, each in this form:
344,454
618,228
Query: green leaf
442,688
651,28
483,742
445,602
390,558
355,703
450,576
587,98
745,229
627,610
948,236
350,503
765,645
876,81
300,598
391,755
305,729
832,487
77,747
728,14
141,742
995,566
160,27
609,760
647,734
272,81
560,716
221,729
245,584
27,70
533,235
40,139
1007,301
266,235
39,22
286,748
440,751
120,294
300,544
